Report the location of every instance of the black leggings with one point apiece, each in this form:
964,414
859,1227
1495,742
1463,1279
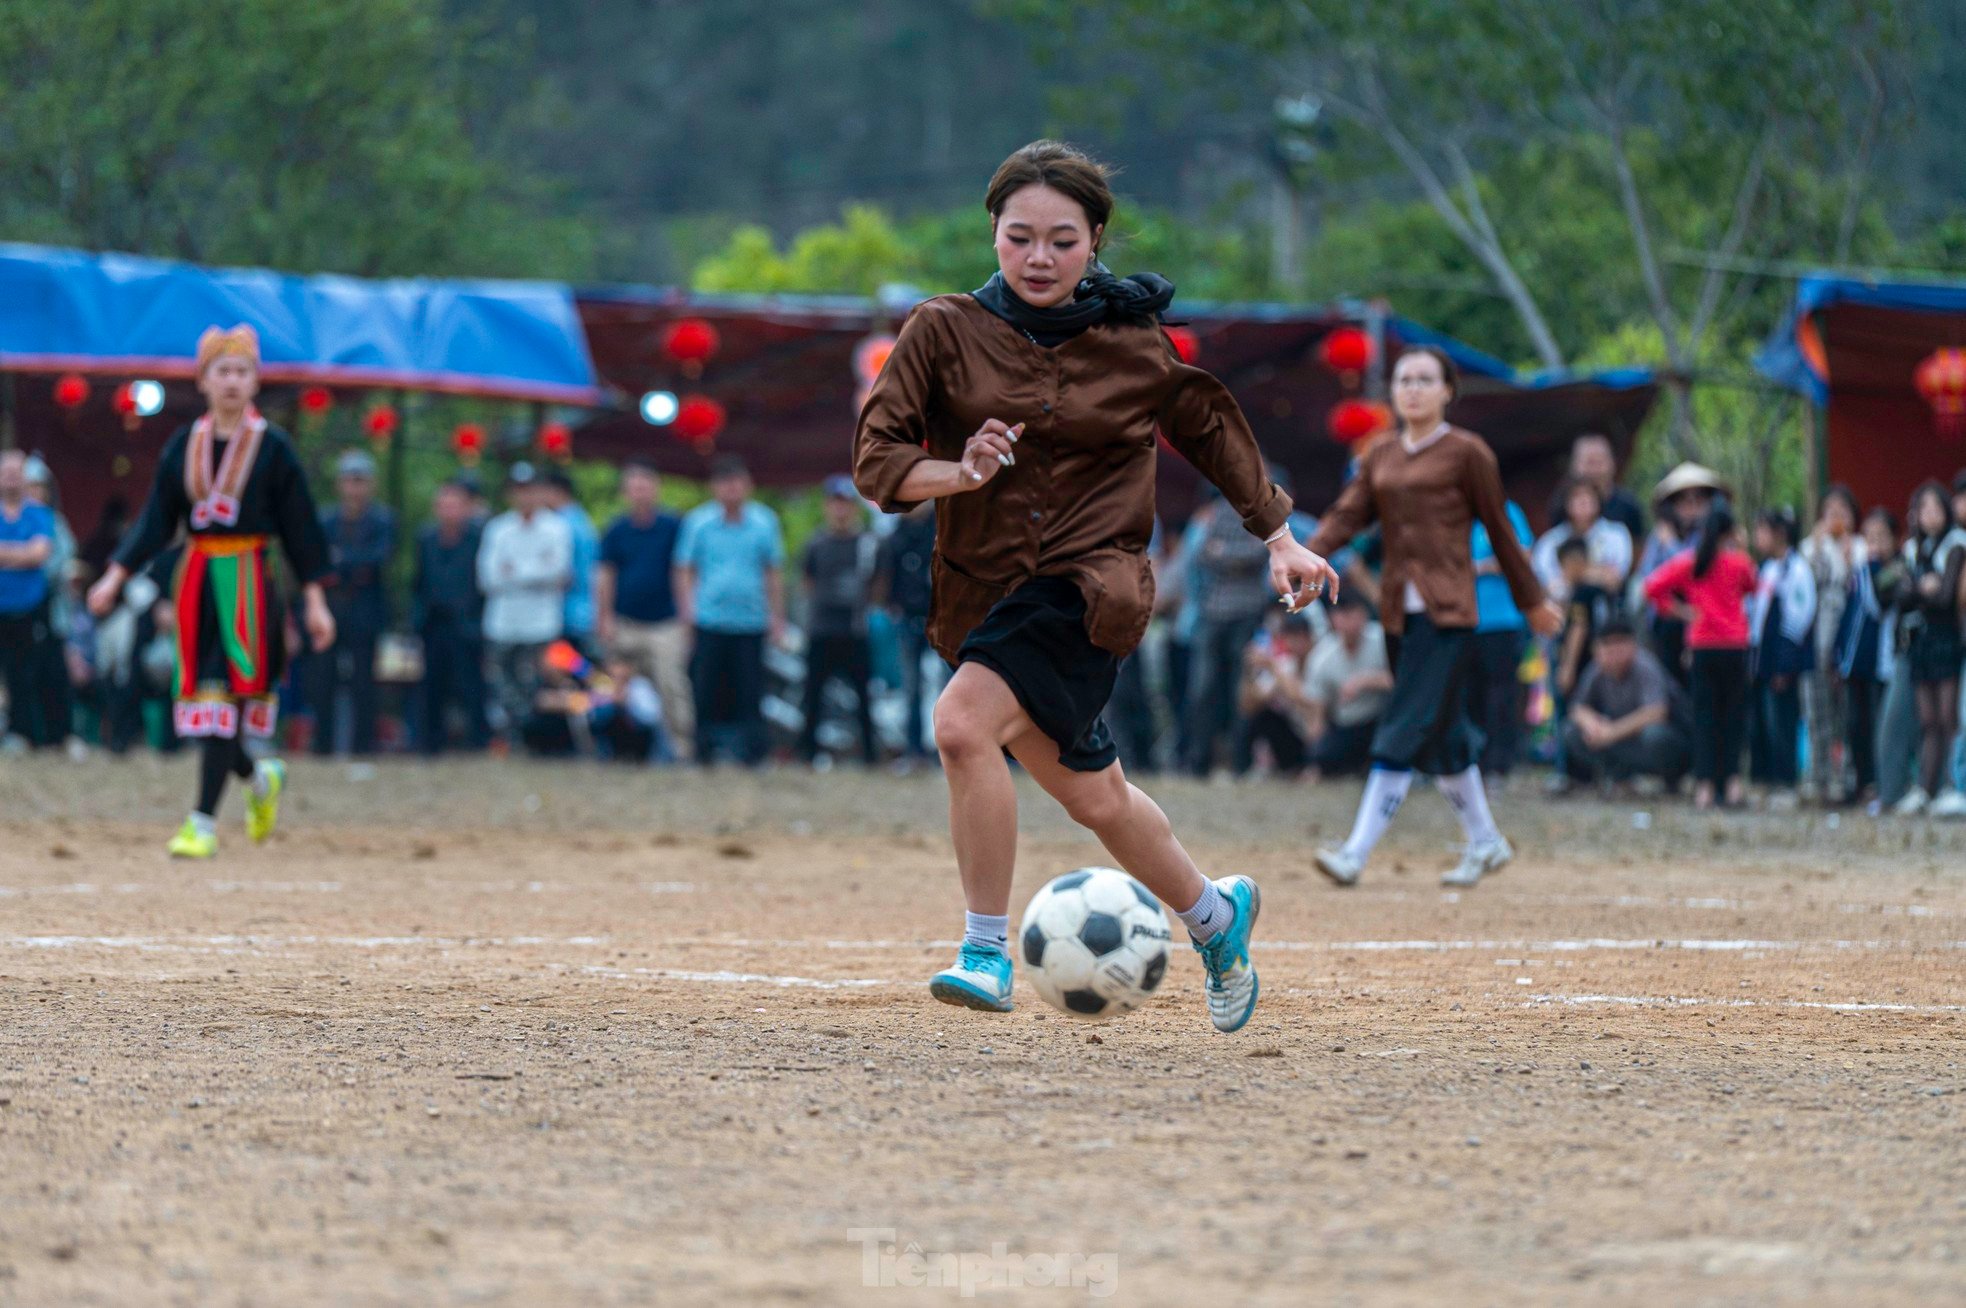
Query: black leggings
1938,719
1720,713
220,757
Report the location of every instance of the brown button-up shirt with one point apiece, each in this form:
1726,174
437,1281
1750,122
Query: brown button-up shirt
1079,502
1426,502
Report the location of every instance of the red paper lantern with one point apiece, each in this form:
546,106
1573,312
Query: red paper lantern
690,341
381,424
316,400
1351,421
556,441
1941,380
469,443
1346,350
1186,344
71,390
870,356
124,401
698,419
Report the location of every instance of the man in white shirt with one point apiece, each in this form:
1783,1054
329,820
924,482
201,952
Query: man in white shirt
1346,685
525,566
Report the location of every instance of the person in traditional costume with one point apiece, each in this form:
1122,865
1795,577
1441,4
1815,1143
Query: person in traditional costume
1426,486
234,484
1030,412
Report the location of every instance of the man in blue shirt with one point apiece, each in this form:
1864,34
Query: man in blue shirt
635,597
1495,700
361,537
731,590
27,539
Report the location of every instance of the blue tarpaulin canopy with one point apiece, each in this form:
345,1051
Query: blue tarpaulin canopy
68,310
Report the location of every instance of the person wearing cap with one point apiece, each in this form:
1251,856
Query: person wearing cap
361,537
448,612
1679,503
635,598
839,566
55,682
525,564
233,483
730,566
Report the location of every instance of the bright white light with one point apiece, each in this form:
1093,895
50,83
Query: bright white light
148,396
659,408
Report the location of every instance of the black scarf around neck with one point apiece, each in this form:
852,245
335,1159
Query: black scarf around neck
1100,297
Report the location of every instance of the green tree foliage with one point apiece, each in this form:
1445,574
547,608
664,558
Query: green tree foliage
337,134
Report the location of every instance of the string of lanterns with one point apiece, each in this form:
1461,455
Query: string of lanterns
1941,381
1348,351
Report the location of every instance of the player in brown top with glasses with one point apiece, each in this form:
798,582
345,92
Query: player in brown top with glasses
1031,409
1426,485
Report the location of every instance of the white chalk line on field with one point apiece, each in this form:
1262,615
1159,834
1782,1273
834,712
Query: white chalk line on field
332,888
1674,1001
264,943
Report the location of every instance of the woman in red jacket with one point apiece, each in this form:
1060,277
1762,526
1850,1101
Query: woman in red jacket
1709,589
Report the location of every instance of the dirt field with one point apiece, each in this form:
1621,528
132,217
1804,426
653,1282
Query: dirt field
517,1035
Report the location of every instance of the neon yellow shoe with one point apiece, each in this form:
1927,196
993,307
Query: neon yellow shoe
190,842
263,811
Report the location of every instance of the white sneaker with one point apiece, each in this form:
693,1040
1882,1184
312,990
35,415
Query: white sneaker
1341,865
1950,804
1912,804
1478,861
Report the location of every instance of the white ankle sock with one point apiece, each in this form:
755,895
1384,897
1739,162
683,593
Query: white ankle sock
1470,800
204,824
262,771
987,931
1385,791
1210,914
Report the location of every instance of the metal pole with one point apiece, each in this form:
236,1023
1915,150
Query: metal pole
7,433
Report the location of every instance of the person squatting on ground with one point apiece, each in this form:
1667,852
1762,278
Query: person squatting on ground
1028,410
1426,485
233,483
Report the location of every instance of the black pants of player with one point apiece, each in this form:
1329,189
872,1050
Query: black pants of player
1280,733
19,656
1777,727
1658,751
1720,713
1425,725
1215,674
849,660
453,677
349,664
727,673
1495,700
1863,698
219,758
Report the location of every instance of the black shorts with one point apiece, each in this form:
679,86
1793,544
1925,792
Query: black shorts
1426,723
1035,639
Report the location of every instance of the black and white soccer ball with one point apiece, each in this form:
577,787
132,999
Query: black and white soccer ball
1095,942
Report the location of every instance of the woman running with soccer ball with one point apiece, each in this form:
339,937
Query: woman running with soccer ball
1030,410
1426,486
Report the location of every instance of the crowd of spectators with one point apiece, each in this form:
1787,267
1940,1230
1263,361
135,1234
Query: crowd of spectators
1757,660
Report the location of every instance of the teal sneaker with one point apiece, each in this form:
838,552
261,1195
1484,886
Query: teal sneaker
1231,986
980,979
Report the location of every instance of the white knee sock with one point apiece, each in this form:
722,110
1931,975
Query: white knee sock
1211,913
1470,800
262,777
1384,792
987,930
